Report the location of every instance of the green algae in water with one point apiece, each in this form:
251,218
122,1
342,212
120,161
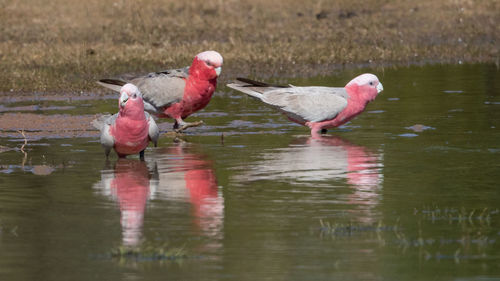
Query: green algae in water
148,251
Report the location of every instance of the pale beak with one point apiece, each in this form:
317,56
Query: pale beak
218,70
380,88
123,99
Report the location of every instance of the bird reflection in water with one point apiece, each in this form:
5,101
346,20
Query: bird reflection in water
316,162
130,184
186,174
175,174
364,168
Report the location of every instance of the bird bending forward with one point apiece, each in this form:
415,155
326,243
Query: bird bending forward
177,93
131,129
316,107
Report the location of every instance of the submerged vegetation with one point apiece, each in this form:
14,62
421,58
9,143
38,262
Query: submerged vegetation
456,233
148,252
60,46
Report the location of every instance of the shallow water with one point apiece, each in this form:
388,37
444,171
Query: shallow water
406,191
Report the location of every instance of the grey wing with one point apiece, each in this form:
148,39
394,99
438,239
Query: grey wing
160,90
153,131
313,104
103,123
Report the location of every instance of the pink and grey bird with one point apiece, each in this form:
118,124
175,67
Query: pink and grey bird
318,108
131,129
177,93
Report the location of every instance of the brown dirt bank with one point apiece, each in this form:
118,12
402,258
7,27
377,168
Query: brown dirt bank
41,126
61,45
37,126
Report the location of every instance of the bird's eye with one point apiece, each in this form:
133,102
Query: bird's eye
371,83
208,63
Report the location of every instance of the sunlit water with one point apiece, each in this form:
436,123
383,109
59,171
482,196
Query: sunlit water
407,191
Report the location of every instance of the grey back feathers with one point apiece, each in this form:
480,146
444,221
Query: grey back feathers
159,89
304,104
179,72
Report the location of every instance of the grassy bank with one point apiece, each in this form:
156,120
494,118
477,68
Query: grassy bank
64,46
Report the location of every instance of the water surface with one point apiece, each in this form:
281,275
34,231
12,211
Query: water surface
406,191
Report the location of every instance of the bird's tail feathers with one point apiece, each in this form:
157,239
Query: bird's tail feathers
96,123
254,83
100,121
251,87
245,89
113,84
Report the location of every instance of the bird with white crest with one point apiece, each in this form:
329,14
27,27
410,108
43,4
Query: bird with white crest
177,93
316,107
131,129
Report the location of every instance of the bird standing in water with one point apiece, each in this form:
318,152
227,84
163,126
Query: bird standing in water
131,129
316,107
177,93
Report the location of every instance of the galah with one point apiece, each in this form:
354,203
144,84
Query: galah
131,129
177,93
318,108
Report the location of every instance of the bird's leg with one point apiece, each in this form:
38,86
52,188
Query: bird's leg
141,155
180,125
106,152
107,164
315,133
316,130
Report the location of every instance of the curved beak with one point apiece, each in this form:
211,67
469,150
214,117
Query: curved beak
123,99
218,70
380,88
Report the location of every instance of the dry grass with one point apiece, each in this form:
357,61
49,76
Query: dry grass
64,45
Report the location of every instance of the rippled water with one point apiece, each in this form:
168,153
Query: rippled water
406,191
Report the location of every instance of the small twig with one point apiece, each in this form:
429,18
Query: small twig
25,140
189,125
22,148
178,139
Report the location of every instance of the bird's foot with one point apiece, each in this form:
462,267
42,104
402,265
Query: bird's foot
107,164
185,125
178,139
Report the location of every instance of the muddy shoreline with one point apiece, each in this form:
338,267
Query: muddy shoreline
67,114
52,53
